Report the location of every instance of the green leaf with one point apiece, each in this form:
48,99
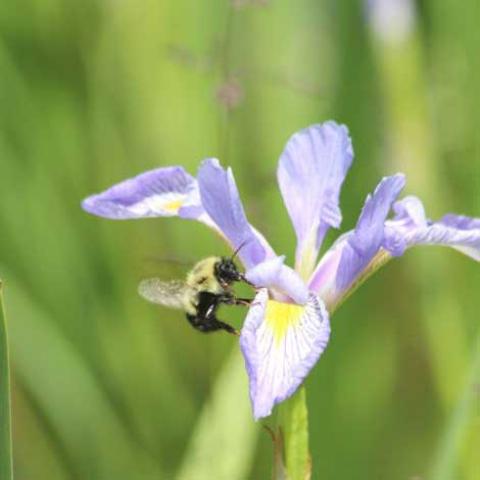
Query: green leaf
224,439
69,397
5,420
293,421
460,428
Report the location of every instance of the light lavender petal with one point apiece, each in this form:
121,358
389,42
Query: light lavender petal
162,192
310,174
220,199
460,221
408,228
367,238
281,343
413,228
275,275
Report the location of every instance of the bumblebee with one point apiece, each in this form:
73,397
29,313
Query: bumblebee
207,286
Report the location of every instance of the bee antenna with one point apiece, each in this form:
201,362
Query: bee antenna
235,253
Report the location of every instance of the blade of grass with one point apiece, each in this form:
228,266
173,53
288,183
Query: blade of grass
5,420
223,442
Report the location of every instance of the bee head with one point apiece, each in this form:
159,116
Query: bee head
227,272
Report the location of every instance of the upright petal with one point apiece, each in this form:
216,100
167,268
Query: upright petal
368,236
220,198
281,342
413,228
354,251
310,174
162,192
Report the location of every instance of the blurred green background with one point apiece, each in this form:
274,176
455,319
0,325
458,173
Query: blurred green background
106,386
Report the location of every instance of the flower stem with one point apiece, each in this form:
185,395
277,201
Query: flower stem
293,424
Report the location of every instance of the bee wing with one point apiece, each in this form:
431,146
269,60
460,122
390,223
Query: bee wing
169,294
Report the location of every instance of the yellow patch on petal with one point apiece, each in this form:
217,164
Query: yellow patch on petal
173,206
281,316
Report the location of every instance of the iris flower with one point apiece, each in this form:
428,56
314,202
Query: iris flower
287,327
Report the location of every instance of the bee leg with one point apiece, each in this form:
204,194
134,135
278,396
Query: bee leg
230,299
210,324
226,298
243,301
225,326
215,324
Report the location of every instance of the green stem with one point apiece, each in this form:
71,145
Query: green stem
5,421
293,426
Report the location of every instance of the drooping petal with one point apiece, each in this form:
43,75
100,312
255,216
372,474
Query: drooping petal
353,252
278,277
310,174
162,192
412,227
220,199
281,342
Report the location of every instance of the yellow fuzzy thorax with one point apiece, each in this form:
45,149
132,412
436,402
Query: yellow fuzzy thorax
202,276
281,316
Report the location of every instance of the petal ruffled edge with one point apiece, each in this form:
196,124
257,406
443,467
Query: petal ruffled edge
281,343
